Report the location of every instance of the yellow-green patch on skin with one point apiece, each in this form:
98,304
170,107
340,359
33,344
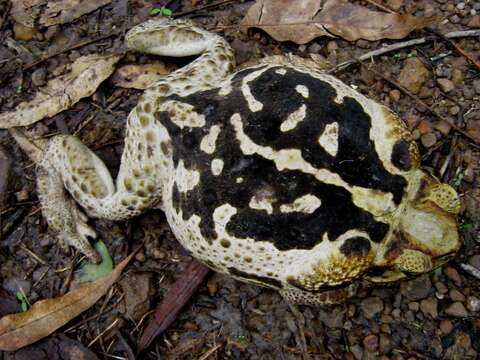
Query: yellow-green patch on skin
413,261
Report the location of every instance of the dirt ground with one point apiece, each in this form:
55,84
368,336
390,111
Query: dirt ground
435,316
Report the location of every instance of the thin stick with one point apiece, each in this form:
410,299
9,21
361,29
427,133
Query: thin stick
401,45
115,322
210,352
472,270
76,46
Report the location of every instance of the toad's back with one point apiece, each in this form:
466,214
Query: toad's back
277,166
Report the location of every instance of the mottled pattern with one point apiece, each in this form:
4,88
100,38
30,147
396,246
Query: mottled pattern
276,174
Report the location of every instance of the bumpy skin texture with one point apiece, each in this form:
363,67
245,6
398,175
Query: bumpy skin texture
276,174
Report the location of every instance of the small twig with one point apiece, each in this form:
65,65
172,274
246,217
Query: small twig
210,352
475,142
472,270
401,45
457,47
465,54
112,325
76,46
33,255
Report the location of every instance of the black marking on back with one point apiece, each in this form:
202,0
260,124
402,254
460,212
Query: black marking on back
401,155
262,279
356,162
356,246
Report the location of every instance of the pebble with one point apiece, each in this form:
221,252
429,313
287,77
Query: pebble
371,306
22,195
212,287
444,127
476,86
394,95
453,275
455,19
428,140
332,46
456,309
370,343
424,127
385,344
441,288
446,85
461,6
446,327
39,77
414,306
416,289
314,48
395,4
140,256
385,328
333,318
413,75
475,261
456,295
429,307
159,254
473,303
474,22
457,76
454,110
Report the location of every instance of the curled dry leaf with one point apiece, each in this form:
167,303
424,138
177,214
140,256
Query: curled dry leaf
304,20
45,316
62,92
64,11
140,76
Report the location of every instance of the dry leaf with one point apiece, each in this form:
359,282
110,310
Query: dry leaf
304,20
45,316
140,76
64,11
26,11
63,91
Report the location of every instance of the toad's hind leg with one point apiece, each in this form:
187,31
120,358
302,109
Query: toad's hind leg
65,163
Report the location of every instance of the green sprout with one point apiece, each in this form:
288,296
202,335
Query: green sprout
92,272
466,226
162,11
24,304
458,178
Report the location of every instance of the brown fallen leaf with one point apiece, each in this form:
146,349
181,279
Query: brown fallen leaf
304,20
45,316
64,11
60,93
140,76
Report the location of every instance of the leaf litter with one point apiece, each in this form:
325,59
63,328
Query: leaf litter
45,316
305,20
